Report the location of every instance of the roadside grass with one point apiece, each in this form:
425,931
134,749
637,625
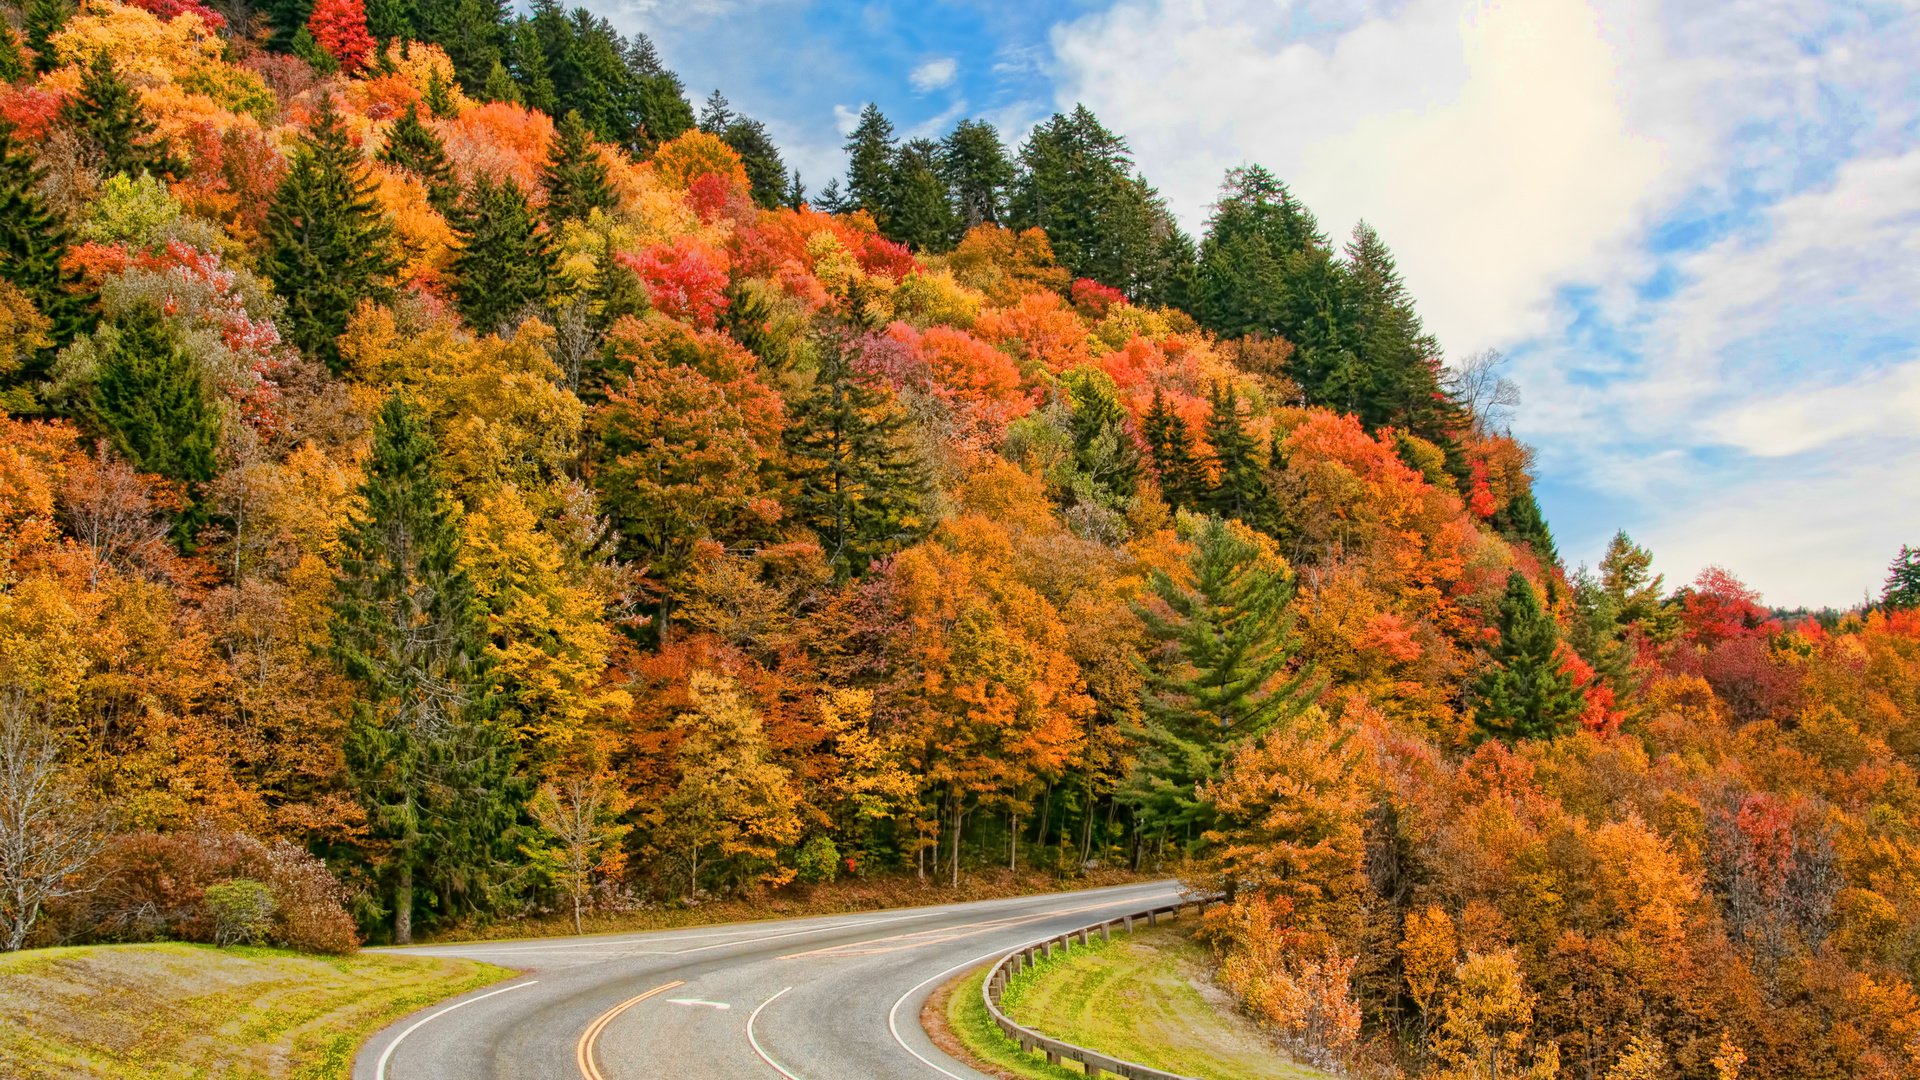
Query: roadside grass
1147,997
174,1010
982,1043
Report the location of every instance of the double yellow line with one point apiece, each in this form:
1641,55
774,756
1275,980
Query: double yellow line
583,1051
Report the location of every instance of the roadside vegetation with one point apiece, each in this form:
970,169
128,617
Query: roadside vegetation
178,1010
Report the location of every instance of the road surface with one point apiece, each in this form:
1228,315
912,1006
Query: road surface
836,997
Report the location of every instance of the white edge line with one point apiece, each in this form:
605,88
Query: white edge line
380,1067
893,1014
755,1042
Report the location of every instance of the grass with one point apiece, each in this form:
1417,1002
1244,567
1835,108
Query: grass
172,1010
1147,997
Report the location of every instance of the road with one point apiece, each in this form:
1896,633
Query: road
836,997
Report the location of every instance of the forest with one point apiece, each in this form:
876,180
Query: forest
447,475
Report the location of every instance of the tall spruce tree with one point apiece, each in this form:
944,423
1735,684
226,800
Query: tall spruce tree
978,172
1238,490
329,244
1522,520
575,177
40,20
766,173
506,260
1525,691
412,146
1104,451
1902,591
1403,384
870,157
33,248
1183,481
426,755
654,98
919,215
152,402
108,117
1224,670
856,482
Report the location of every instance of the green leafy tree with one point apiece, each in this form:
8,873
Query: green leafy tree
506,260
1183,481
40,21
857,484
978,172
427,758
919,215
1223,671
1525,691
1902,591
575,176
152,402
412,147
870,159
329,244
108,117
33,246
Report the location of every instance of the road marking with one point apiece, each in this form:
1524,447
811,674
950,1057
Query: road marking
583,1050
943,934
611,944
380,1067
755,1043
697,1001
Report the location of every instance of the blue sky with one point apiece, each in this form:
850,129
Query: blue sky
1693,226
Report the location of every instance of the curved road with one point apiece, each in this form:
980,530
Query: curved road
827,998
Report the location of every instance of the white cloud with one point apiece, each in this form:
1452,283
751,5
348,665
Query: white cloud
846,118
934,74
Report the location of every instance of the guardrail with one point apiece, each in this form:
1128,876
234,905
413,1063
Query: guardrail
1013,963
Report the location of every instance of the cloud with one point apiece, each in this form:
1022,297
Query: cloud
934,74
846,118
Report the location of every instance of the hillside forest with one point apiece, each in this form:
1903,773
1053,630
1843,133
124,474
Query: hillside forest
448,477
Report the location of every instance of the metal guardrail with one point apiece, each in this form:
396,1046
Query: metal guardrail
1013,963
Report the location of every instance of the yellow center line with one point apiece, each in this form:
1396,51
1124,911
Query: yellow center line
583,1051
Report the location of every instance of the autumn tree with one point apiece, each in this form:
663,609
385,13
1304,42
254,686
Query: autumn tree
412,147
1525,691
49,837
733,807
430,764
340,28
580,835
329,245
575,178
506,262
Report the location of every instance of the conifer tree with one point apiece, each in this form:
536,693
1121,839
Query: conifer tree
506,260
1222,672
33,247
1076,180
575,177
919,215
499,85
655,99
1238,490
412,146
439,96
108,116
1182,481
857,484
1522,520
1403,384
1103,449
428,760
13,65
1525,692
329,244
870,157
1902,591
40,21
151,401
766,172
978,172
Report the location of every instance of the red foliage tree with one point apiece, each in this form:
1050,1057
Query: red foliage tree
685,280
168,9
340,27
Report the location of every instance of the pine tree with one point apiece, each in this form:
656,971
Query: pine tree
1076,180
832,200
978,172
1525,692
427,758
1221,674
715,113
506,260
439,97
108,116
527,63
151,401
13,65
1522,520
655,99
33,248
1182,481
766,172
329,245
1103,449
1902,592
919,215
499,85
1403,384
575,176
870,156
1238,490
412,146
857,484
40,21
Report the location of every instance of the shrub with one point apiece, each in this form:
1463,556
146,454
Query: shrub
241,911
818,861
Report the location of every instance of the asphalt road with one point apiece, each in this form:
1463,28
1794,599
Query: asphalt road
831,998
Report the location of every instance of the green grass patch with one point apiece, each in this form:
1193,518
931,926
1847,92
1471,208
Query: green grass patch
1147,997
173,1010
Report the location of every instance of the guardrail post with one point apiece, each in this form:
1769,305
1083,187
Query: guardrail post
1129,924
1083,935
1106,933
1151,918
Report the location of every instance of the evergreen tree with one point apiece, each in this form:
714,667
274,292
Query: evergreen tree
499,85
1902,592
152,402
766,173
575,176
427,758
33,248
857,484
978,172
473,33
527,63
13,65
1525,692
506,260
1103,449
412,146
40,21
715,113
832,200
919,215
1221,674
654,98
1238,490
1634,592
1403,384
439,97
329,245
870,154
287,18
108,116
1522,520
1182,480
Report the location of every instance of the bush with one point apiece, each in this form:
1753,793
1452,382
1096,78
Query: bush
158,885
818,861
241,911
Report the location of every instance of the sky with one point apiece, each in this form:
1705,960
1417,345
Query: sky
1692,227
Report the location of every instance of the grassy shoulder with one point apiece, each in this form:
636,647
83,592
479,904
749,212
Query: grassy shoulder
1147,997
174,1010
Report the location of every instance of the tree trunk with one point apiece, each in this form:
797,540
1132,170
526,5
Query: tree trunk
956,840
1086,829
1013,841
576,912
403,905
